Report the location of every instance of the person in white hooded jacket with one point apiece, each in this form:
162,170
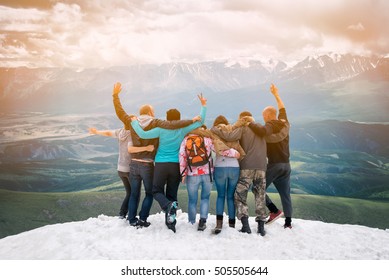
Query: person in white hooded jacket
124,159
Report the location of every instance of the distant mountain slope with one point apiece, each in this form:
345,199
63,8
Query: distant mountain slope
341,135
43,152
326,86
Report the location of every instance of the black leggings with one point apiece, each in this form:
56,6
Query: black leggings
166,173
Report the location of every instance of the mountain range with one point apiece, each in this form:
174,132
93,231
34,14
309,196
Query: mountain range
318,87
337,105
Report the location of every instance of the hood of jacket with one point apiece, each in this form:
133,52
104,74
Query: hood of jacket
145,120
124,134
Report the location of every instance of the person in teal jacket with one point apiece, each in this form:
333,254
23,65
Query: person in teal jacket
167,168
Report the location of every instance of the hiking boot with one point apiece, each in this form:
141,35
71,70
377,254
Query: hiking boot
171,212
245,225
134,223
121,216
261,228
219,224
274,216
202,224
231,223
142,223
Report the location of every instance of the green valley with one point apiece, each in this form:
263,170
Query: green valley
23,211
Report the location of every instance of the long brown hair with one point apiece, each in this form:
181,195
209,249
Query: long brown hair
220,120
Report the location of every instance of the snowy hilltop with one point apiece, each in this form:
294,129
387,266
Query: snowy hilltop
105,238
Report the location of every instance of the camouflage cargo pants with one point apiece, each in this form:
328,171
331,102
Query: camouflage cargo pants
256,178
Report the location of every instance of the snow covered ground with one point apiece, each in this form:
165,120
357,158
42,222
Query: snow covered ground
109,238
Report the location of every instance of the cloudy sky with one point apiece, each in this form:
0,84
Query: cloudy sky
100,33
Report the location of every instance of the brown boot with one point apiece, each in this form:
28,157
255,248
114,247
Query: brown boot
231,222
219,224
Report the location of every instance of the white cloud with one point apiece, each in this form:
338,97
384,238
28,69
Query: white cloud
356,27
105,33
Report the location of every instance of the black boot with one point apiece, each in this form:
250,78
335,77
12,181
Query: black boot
245,225
202,224
231,223
261,228
288,222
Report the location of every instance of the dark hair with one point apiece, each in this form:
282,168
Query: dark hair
173,115
245,114
220,120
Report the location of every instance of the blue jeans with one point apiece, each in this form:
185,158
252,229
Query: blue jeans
193,183
226,179
140,171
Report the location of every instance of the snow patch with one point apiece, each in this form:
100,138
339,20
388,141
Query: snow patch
106,237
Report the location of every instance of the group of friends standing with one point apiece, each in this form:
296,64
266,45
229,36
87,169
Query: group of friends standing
247,155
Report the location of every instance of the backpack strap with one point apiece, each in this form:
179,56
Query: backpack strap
209,158
183,171
210,165
187,155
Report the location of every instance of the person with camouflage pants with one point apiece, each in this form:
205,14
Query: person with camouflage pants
256,178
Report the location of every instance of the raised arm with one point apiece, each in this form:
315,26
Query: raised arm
149,134
203,113
274,91
120,113
109,133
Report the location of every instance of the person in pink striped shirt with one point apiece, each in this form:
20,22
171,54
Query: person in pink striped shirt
199,176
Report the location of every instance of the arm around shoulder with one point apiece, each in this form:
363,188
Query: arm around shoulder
150,134
233,135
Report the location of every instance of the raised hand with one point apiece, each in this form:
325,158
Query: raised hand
117,88
273,89
202,99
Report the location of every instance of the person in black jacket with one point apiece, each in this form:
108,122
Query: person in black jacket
278,167
142,163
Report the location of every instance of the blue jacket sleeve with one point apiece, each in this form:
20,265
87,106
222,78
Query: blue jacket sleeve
149,134
195,125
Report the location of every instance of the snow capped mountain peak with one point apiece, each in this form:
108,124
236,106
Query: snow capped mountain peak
241,62
274,65
45,87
